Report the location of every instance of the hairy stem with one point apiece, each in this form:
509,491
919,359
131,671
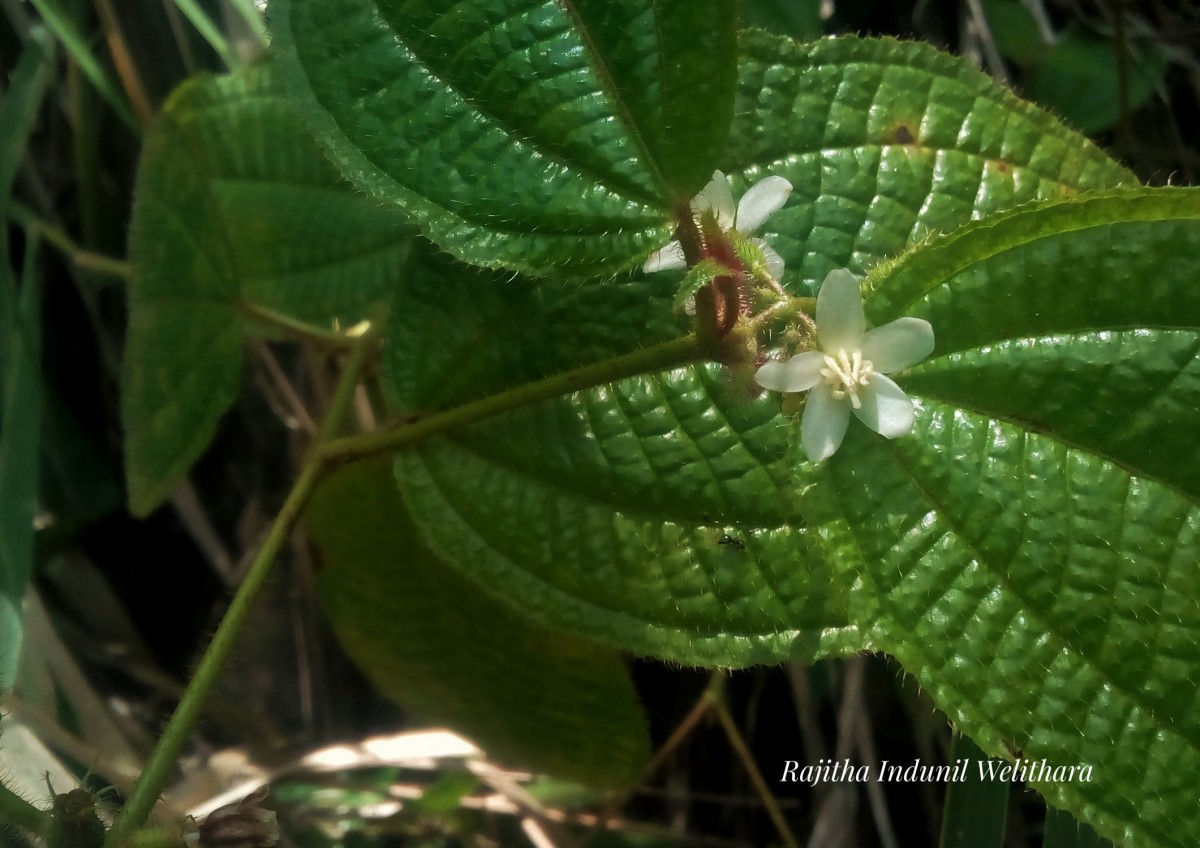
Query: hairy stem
323,456
656,358
166,754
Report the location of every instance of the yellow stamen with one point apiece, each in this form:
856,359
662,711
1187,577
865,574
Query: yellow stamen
847,373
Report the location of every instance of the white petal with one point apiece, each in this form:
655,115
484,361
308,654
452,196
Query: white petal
886,409
840,318
798,374
670,258
898,345
716,197
774,260
761,201
824,423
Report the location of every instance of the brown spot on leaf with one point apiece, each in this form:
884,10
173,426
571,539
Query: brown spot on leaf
1002,166
902,135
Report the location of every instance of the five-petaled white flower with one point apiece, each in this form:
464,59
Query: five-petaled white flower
846,373
762,200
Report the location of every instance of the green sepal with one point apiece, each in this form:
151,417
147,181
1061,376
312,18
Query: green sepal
697,277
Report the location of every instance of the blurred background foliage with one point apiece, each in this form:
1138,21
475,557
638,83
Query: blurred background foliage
117,608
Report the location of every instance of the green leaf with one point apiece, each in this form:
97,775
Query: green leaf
237,214
800,19
1062,830
537,135
20,419
1015,30
635,485
18,111
20,352
886,142
1078,79
1031,549
975,813
672,514
433,642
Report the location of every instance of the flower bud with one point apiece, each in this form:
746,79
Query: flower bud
73,821
241,825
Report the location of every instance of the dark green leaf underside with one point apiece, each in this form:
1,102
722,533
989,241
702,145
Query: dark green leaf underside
235,207
433,642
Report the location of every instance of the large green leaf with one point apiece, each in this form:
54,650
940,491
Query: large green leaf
530,134
657,514
670,514
1033,549
433,642
887,142
236,211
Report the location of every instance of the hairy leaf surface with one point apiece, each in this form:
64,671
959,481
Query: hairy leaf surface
888,142
672,514
1034,547
237,214
537,135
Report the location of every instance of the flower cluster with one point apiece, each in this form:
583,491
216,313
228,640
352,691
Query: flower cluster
846,374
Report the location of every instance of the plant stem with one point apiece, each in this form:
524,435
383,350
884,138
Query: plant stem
343,394
158,769
321,457
209,32
79,50
79,256
16,810
655,358
295,328
166,754
716,695
253,18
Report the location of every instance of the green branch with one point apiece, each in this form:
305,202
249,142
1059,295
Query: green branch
81,257
656,358
294,328
323,456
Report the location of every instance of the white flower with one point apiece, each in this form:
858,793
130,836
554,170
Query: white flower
762,200
846,374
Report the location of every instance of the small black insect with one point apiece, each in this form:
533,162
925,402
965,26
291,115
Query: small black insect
734,544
